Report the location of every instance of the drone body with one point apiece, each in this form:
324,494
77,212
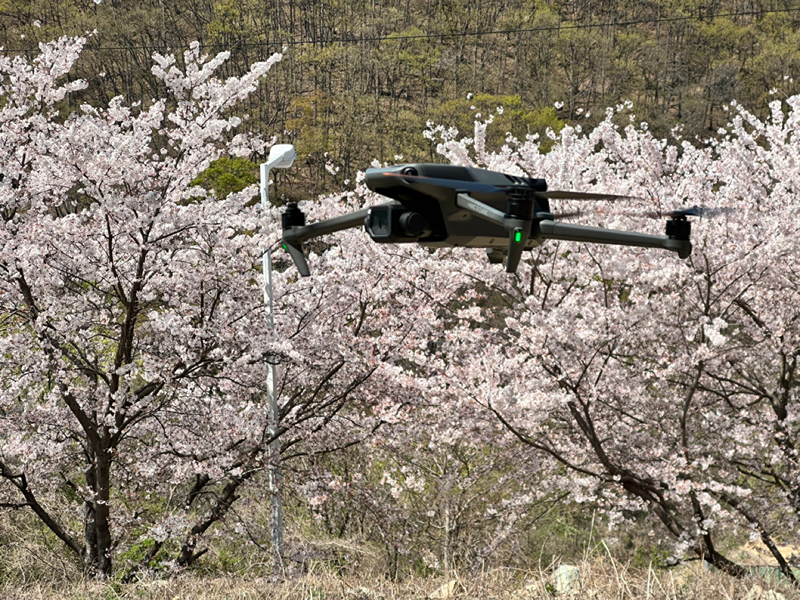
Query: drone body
449,206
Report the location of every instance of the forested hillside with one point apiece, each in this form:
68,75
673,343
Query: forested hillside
361,78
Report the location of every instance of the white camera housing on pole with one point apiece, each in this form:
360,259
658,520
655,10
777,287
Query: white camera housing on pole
281,156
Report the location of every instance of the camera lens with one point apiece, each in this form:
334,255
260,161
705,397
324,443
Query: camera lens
413,224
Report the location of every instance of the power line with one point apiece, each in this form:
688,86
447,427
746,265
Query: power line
490,32
557,28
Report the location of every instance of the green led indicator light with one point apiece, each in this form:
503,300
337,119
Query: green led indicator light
284,247
518,236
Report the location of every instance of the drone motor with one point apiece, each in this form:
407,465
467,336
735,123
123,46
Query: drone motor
678,228
292,217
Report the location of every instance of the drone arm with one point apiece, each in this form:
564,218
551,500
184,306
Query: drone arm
294,236
298,234
295,250
518,227
485,211
580,233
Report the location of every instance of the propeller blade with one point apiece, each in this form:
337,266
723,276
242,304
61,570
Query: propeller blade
700,211
570,214
295,250
692,211
561,195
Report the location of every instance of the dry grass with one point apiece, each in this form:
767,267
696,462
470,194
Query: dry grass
602,578
32,566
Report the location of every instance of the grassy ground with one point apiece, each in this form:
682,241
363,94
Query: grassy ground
600,578
33,565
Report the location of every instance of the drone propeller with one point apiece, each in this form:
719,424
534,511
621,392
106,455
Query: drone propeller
569,214
682,213
559,195
700,211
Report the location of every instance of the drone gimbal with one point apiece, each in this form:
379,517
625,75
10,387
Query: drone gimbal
447,206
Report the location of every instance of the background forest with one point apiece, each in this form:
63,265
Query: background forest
438,416
360,79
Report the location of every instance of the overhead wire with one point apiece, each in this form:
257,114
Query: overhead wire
351,40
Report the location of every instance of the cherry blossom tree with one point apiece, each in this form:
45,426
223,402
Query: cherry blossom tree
637,382
660,385
135,352
121,292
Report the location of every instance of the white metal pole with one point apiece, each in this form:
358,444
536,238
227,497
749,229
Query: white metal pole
276,505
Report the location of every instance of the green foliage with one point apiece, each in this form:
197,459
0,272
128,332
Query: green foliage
138,552
407,59
724,38
227,175
776,63
311,138
227,559
226,21
566,532
512,117
646,555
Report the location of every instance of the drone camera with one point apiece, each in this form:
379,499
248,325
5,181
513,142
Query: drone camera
678,229
394,223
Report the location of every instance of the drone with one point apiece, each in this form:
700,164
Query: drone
445,206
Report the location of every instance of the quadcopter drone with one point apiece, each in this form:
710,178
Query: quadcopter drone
439,206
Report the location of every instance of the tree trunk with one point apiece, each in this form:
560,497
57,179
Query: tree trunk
102,510
97,530
89,554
